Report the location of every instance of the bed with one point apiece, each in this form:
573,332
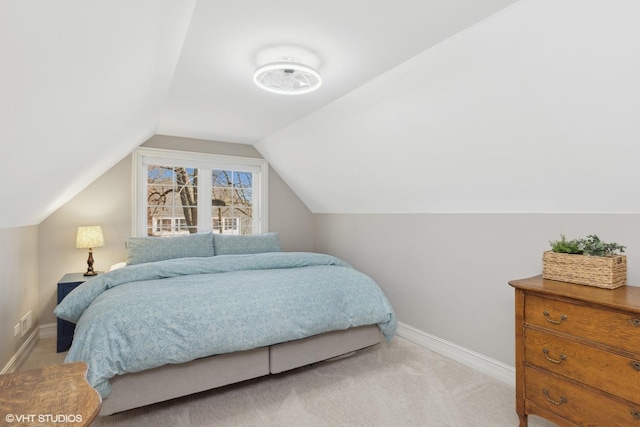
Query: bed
181,318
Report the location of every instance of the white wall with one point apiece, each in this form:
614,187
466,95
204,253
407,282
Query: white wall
105,202
447,274
18,286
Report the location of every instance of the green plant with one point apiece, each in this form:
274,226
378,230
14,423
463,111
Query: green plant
596,247
592,246
565,246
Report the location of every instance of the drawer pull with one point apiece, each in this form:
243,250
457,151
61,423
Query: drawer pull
635,414
635,322
562,357
635,365
555,322
555,402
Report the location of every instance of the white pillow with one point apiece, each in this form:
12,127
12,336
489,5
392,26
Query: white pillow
118,265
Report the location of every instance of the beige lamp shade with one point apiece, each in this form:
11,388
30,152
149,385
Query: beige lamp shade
89,237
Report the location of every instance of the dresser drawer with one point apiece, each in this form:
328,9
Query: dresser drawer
606,371
576,404
607,327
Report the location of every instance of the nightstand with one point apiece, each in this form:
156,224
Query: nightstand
65,329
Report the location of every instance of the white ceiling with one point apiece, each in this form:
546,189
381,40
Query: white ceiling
349,42
464,105
82,84
533,110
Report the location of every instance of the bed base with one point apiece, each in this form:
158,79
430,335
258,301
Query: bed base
170,381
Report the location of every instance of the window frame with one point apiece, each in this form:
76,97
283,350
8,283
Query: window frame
206,163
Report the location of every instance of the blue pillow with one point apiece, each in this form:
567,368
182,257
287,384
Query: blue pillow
238,244
150,249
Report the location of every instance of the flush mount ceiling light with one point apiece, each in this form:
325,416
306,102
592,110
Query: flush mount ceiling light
287,77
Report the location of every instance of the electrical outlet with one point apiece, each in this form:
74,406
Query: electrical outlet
16,330
25,324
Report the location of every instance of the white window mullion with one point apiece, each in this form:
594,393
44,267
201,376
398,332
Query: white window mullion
205,193
260,205
139,223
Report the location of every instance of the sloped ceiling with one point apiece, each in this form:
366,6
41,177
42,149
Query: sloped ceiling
82,83
533,110
349,42
426,106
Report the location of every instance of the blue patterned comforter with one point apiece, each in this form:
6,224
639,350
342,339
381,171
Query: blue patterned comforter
148,315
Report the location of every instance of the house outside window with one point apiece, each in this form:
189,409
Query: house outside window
180,192
227,225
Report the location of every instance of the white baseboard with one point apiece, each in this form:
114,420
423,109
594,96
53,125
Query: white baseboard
49,330
477,361
23,352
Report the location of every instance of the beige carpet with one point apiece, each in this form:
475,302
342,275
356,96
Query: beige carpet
397,384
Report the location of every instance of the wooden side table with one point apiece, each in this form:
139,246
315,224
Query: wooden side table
66,329
53,395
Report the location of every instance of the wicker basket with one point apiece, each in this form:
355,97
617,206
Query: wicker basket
602,272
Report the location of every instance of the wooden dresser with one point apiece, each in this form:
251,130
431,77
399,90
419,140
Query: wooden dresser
577,353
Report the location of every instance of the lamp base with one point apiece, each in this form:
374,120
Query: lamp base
90,271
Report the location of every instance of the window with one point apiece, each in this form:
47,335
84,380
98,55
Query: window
226,225
179,192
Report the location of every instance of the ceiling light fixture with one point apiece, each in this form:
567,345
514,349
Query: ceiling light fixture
287,77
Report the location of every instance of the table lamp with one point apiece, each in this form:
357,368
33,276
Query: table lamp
90,237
